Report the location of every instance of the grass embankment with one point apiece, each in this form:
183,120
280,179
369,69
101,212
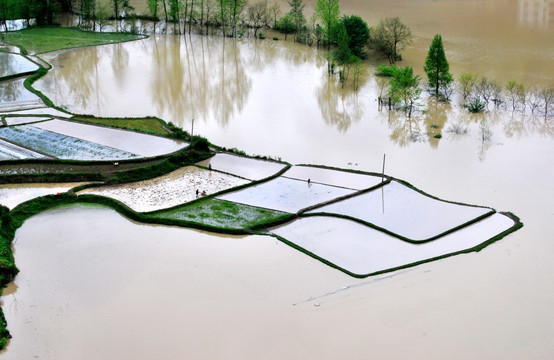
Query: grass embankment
39,40
146,125
222,214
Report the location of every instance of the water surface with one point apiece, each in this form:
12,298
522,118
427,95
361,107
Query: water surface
188,294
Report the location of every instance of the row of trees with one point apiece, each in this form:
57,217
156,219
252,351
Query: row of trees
476,93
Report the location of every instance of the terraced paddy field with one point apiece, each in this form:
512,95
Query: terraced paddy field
12,195
169,190
75,141
14,64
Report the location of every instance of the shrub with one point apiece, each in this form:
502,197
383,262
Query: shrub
476,105
385,70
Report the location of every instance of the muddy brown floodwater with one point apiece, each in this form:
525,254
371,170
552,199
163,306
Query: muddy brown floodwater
126,290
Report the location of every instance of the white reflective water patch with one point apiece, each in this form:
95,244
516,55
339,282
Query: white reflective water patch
405,211
362,250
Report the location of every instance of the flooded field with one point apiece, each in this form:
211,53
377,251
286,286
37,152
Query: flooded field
247,168
13,64
405,211
362,250
173,189
92,294
12,195
133,142
285,194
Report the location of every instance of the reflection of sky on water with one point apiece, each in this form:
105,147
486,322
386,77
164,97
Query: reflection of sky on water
405,212
14,91
363,250
12,64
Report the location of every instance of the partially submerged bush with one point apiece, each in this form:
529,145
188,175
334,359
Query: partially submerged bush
476,105
385,70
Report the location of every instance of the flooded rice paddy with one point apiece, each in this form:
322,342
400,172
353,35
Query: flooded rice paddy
405,211
285,194
69,140
187,293
14,194
13,64
362,250
133,142
247,168
333,177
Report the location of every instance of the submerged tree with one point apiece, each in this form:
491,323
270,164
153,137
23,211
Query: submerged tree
466,85
258,16
327,11
404,88
297,14
121,6
286,25
358,34
437,67
391,36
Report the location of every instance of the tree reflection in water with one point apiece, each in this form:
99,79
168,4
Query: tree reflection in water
207,78
339,107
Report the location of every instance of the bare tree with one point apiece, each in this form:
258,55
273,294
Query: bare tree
515,91
467,85
258,16
391,36
547,95
534,99
485,89
275,11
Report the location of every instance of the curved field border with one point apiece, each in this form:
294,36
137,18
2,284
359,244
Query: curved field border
517,225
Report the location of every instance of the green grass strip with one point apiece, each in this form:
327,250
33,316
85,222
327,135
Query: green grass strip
39,40
152,126
223,214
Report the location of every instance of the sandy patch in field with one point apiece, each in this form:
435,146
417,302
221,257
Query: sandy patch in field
12,195
166,191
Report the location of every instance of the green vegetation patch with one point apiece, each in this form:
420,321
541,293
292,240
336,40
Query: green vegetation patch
223,214
146,125
38,40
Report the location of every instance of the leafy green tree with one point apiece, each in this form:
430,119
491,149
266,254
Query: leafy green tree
391,36
286,25
153,7
327,11
358,34
437,67
467,85
297,13
342,53
120,6
404,88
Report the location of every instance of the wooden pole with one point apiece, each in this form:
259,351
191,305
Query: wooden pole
383,176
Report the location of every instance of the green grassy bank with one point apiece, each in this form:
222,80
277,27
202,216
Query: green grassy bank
39,40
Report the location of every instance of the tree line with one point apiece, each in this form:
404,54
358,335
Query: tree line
476,92
346,38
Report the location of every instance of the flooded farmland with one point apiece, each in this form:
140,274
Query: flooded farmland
127,290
